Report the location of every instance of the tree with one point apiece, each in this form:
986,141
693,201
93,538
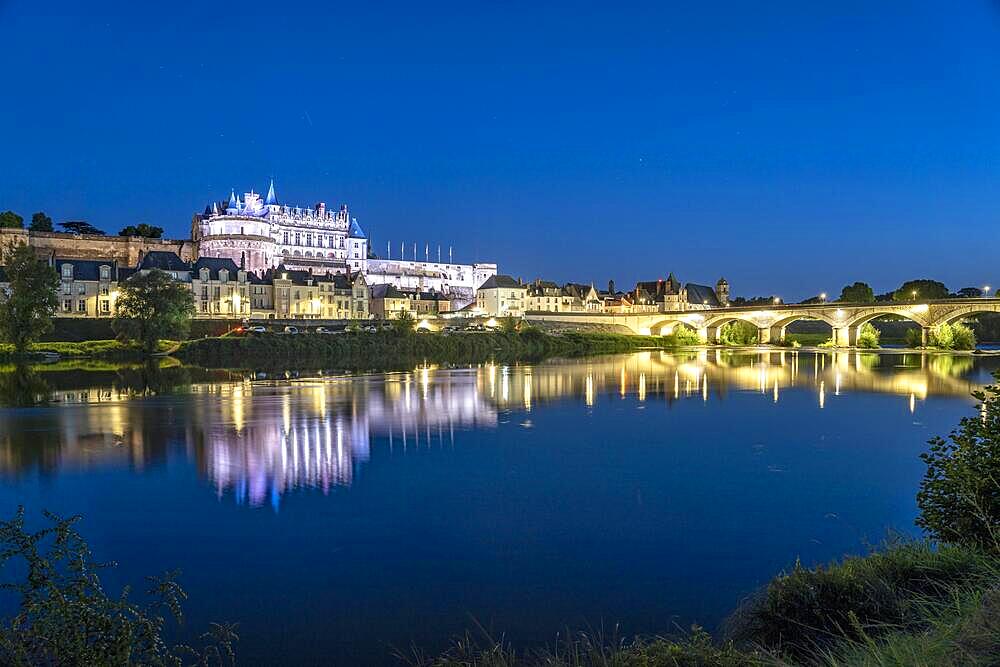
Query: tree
857,293
40,223
9,219
509,324
142,229
152,306
969,293
959,497
80,227
738,332
922,289
64,616
868,336
26,309
404,324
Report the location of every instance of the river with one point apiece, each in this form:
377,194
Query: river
337,517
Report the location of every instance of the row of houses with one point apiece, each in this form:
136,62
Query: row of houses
503,295
221,289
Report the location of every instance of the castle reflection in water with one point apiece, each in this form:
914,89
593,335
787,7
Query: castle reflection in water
257,439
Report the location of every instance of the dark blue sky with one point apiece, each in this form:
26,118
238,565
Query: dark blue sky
791,146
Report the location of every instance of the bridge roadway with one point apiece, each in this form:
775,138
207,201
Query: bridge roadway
772,322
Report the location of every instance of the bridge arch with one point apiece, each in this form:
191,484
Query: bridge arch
965,311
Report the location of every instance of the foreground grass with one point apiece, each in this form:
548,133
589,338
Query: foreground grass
388,350
911,603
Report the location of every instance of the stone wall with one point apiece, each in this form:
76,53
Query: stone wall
126,249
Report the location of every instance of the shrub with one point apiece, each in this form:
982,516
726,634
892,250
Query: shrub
738,332
683,336
959,497
807,610
868,336
64,616
964,337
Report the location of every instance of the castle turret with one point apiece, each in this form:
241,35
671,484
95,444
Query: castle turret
722,291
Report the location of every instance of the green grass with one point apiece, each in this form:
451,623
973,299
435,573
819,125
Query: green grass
87,348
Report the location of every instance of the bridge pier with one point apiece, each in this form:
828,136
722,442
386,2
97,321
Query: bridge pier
763,335
845,336
925,336
777,334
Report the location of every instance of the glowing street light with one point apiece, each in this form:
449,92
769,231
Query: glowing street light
914,294
777,300
822,296
986,291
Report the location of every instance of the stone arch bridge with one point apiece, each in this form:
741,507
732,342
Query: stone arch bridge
845,319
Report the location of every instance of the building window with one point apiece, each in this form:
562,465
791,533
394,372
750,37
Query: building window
67,271
216,292
67,288
105,306
105,273
68,304
81,289
104,290
204,291
81,306
298,238
284,238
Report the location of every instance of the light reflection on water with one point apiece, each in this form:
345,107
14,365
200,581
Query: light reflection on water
260,439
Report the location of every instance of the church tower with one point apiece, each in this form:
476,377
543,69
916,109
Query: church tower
722,291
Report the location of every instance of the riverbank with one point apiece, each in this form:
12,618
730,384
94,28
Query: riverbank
911,603
387,350
87,349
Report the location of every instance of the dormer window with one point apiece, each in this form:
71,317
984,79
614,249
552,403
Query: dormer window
105,273
204,275
223,275
67,271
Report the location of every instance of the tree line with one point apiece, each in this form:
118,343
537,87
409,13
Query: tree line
40,222
151,306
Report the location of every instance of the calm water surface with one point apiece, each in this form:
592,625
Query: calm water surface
336,517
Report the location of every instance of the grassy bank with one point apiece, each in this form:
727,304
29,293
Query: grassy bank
908,604
98,349
388,350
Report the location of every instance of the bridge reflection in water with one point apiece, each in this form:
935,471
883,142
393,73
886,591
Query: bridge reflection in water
259,439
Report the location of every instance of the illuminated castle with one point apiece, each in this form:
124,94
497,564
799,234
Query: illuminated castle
260,234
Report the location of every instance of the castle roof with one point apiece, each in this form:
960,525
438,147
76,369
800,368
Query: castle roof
271,198
356,231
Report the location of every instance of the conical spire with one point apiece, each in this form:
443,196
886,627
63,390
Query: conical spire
271,198
232,199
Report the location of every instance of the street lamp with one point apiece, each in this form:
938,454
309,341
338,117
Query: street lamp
914,294
777,300
822,296
986,291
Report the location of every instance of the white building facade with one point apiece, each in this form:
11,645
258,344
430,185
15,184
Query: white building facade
259,234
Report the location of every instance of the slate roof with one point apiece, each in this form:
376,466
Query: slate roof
700,294
387,292
499,281
163,260
85,269
214,265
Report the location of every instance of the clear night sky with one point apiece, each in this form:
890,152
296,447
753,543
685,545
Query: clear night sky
790,146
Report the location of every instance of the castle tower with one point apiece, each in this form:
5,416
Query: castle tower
722,291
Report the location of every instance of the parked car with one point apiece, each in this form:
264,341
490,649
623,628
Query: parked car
291,330
324,330
256,330
475,327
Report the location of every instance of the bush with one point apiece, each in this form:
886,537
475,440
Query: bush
683,336
64,616
807,611
959,497
952,337
868,336
738,332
